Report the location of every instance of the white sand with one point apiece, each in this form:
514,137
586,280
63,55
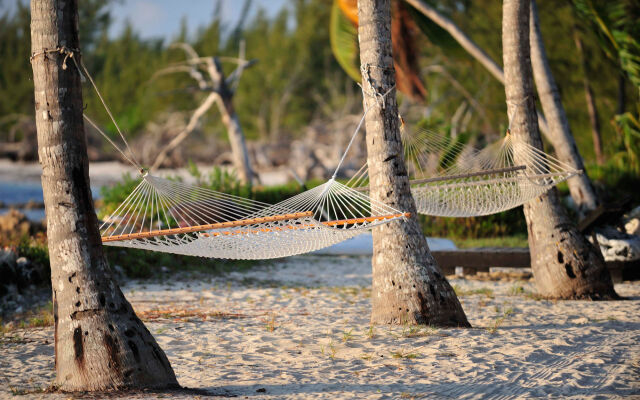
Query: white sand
303,332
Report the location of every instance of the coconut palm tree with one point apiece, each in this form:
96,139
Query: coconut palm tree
565,265
99,341
408,286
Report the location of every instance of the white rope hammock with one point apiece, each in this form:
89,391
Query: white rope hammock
174,217
450,179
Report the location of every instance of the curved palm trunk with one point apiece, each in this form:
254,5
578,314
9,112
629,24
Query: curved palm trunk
565,265
99,342
582,191
468,44
592,109
581,187
408,286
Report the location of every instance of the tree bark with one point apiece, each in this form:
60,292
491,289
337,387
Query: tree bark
591,103
99,341
565,265
183,134
468,44
221,93
408,286
580,186
230,120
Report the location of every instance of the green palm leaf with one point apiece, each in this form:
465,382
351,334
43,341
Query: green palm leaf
344,42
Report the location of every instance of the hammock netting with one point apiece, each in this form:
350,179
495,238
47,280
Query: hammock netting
451,179
171,216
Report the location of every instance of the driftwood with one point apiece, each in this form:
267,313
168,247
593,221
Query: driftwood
208,73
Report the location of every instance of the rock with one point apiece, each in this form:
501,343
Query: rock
7,270
631,222
632,226
618,246
8,256
28,273
15,224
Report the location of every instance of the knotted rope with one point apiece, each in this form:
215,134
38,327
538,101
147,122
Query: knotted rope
82,69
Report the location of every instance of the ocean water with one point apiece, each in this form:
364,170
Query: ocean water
19,192
23,192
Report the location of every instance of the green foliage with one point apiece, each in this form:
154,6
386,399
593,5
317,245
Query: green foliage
276,97
16,88
344,42
508,223
519,240
629,128
113,196
35,250
220,180
436,35
616,181
618,30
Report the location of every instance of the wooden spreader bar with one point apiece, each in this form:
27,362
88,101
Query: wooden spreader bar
253,221
199,228
469,175
460,176
295,227
364,219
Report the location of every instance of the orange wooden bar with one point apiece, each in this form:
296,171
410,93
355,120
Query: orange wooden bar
245,222
199,228
327,223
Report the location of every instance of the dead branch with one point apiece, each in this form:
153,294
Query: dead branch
208,73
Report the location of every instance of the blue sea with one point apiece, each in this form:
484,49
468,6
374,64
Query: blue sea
23,192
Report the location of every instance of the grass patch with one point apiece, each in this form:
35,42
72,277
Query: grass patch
516,290
502,241
329,350
480,291
270,322
493,328
404,354
347,335
371,332
37,318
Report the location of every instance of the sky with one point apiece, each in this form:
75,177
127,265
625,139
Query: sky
162,18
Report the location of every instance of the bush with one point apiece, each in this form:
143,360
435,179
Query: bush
508,223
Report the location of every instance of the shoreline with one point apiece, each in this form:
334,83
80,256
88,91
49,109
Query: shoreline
106,173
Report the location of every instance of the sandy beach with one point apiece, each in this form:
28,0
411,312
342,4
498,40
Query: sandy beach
299,328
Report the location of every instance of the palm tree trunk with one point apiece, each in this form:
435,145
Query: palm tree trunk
581,188
591,102
408,286
468,44
565,265
99,341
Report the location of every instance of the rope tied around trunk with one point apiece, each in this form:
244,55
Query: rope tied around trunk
84,72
